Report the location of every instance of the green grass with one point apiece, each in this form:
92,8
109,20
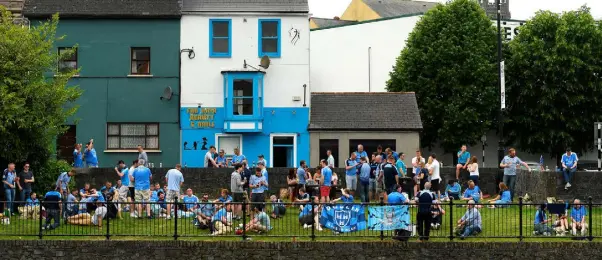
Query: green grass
501,224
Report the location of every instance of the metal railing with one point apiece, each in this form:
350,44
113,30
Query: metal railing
342,221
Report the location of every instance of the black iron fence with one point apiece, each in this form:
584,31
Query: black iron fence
297,221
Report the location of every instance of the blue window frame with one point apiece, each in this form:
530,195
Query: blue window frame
243,95
269,38
220,38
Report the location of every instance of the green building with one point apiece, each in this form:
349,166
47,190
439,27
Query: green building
128,55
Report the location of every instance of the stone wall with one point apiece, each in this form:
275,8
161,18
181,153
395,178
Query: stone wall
211,180
150,250
539,185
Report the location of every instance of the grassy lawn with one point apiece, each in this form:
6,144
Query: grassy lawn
501,224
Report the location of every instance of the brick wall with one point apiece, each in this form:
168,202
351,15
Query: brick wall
150,250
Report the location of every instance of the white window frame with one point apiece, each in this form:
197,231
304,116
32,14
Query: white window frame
217,136
294,136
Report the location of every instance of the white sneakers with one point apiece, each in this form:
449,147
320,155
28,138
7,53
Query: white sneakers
567,186
305,226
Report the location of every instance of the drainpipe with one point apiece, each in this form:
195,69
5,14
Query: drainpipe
190,56
369,69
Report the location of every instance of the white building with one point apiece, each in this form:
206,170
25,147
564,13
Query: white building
229,105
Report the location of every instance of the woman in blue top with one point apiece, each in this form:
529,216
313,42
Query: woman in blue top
541,222
503,198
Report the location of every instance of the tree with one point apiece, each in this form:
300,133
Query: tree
554,92
450,63
35,100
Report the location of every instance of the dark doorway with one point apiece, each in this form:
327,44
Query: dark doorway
283,150
333,146
65,144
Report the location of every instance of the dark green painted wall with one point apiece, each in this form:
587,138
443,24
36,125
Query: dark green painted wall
110,95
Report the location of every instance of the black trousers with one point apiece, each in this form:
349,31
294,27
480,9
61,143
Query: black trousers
258,200
424,224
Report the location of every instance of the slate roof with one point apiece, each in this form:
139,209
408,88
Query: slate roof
325,22
391,8
103,8
260,6
375,111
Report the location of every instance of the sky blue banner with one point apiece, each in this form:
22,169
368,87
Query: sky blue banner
343,217
388,217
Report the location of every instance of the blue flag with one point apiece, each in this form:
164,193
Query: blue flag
343,217
388,217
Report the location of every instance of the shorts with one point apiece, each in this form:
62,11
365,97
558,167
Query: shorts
324,191
123,193
435,185
132,193
372,186
258,200
351,182
142,195
172,195
237,197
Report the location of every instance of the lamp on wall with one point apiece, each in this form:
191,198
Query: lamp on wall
294,112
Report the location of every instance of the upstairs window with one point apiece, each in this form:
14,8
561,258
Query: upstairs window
220,38
269,38
242,97
125,136
140,58
69,62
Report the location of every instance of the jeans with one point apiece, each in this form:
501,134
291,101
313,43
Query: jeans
10,197
279,211
24,195
364,191
53,214
475,179
470,230
568,174
510,181
424,224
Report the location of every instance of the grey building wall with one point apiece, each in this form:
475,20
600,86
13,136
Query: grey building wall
405,141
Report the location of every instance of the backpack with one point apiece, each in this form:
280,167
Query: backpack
364,177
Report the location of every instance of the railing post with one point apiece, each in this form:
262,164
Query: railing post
451,219
175,219
244,219
108,235
313,216
520,218
40,234
382,232
589,219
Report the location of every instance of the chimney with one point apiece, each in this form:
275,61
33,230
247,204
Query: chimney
337,18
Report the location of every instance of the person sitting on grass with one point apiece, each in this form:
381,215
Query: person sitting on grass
541,226
472,193
221,222
190,204
260,222
437,212
205,213
85,219
452,190
73,205
578,216
561,225
224,198
31,209
345,197
310,214
470,223
503,198
278,208
159,207
302,199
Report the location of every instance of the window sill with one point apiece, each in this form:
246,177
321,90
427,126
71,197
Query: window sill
140,76
218,56
74,76
131,151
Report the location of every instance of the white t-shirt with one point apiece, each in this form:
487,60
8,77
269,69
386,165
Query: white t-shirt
435,167
414,162
330,161
131,173
476,171
208,157
100,211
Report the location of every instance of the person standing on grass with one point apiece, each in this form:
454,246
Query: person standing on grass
463,158
142,155
258,185
401,166
8,178
569,166
62,184
174,179
236,187
24,182
425,200
326,182
360,153
434,171
264,172
351,173
510,163
52,204
301,175
473,169
365,179
142,177
131,187
330,159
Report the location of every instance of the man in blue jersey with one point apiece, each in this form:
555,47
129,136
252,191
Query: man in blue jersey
52,204
78,157
62,183
238,158
142,177
578,217
360,153
351,173
569,166
90,155
301,175
326,182
463,158
259,185
174,179
396,198
221,221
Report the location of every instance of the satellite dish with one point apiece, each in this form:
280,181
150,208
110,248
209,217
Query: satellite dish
265,62
167,94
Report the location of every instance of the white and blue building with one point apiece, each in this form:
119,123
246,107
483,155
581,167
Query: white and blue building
227,104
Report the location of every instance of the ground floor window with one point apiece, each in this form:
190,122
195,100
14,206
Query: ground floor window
333,146
228,142
283,150
371,145
127,136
